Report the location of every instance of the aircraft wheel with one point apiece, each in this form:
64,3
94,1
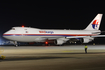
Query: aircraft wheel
16,45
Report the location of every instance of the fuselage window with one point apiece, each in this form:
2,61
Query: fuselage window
26,31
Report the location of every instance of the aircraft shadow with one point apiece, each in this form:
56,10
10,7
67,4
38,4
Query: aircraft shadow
32,58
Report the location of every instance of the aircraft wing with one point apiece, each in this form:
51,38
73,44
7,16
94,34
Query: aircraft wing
85,36
76,36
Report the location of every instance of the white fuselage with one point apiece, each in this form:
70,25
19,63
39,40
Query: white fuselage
27,34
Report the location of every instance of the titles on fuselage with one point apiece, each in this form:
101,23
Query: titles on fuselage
46,32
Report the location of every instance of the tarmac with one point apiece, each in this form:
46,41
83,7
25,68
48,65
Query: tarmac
70,57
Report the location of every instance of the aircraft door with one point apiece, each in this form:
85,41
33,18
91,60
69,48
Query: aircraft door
18,34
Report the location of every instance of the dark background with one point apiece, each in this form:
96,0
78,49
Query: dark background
50,14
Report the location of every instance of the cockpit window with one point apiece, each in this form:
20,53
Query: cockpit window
13,28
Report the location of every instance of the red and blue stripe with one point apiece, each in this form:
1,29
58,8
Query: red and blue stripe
48,34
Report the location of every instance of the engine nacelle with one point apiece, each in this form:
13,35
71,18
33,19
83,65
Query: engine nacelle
87,40
58,42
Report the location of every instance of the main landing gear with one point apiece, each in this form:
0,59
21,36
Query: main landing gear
15,43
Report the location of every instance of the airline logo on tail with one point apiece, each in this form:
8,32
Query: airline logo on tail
95,24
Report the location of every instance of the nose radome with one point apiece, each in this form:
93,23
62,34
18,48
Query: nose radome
8,33
5,34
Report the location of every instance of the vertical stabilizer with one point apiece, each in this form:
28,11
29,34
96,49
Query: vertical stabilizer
95,24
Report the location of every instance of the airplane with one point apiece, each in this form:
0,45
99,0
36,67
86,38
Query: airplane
28,34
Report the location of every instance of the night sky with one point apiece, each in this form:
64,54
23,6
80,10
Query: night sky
50,14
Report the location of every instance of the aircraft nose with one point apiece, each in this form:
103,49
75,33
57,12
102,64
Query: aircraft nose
9,34
5,34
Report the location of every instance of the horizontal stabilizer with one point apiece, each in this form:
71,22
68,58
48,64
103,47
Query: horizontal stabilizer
99,36
98,32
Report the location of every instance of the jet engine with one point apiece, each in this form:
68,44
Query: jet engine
87,40
58,42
